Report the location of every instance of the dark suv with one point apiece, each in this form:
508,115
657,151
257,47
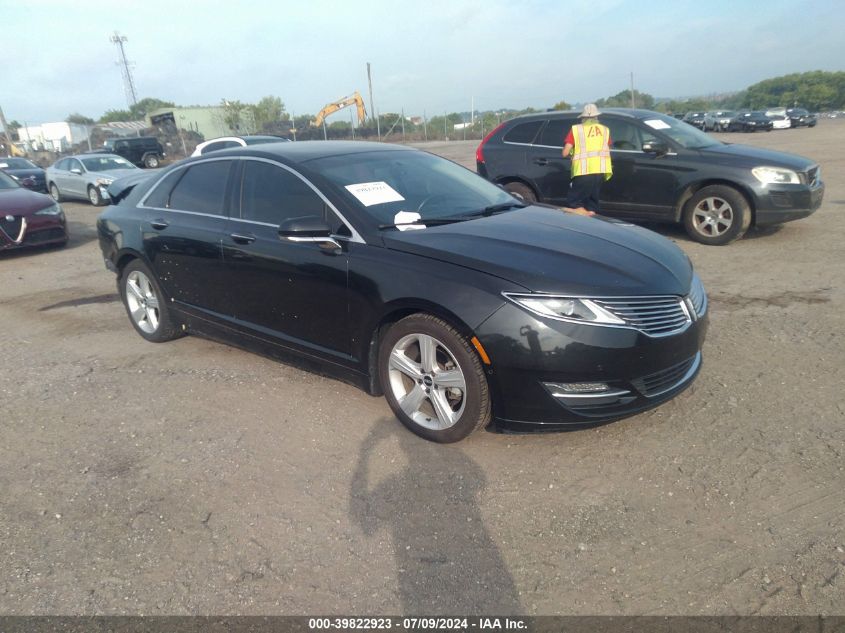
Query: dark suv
663,170
144,151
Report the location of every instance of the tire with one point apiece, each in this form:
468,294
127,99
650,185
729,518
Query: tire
717,215
443,399
55,193
145,303
522,191
94,196
151,161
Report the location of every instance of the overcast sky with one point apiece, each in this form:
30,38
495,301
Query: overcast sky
427,56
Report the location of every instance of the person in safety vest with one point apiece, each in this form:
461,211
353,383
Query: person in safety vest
589,143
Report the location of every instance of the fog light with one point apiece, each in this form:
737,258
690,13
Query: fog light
576,387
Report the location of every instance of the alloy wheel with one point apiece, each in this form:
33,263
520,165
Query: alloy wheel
713,216
142,302
427,381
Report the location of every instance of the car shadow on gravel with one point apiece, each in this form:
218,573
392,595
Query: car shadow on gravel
446,560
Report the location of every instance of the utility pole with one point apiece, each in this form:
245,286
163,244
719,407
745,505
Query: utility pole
425,126
128,84
6,133
372,106
633,100
403,124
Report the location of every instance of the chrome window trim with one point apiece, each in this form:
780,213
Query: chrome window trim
356,237
511,296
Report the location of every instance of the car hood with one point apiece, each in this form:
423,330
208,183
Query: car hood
113,174
546,250
760,156
25,173
22,201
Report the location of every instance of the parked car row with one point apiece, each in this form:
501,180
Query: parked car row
751,120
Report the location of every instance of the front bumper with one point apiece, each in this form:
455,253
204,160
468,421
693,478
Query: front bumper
33,231
530,355
782,203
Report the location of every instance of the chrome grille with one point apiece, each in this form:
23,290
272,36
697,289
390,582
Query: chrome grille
656,316
667,379
698,297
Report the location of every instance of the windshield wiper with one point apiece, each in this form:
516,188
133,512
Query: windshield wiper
496,208
423,222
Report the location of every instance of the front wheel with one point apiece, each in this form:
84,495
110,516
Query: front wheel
432,379
145,304
94,196
717,215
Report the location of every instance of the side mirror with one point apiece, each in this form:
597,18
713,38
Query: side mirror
309,229
655,147
76,170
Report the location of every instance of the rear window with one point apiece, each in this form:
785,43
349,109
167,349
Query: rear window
523,133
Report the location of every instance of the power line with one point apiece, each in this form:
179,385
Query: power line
125,69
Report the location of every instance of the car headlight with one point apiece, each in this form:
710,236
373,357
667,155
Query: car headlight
105,182
573,309
53,209
775,175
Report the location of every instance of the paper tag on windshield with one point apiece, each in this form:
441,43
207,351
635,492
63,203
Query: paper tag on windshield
657,124
403,218
370,193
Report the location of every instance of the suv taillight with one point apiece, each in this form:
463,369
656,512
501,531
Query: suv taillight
479,153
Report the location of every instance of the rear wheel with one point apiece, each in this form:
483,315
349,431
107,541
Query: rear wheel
717,215
522,191
151,161
54,192
432,379
145,304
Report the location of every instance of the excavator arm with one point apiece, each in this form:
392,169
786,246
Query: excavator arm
355,99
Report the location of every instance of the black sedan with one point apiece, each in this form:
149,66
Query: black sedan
27,173
750,122
799,117
412,277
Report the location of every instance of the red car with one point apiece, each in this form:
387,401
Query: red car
28,218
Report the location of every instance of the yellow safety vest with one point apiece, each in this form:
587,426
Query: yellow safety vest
591,154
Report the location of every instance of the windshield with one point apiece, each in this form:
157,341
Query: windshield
17,163
106,163
383,184
109,143
683,134
7,183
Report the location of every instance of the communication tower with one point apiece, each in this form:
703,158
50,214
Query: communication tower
126,69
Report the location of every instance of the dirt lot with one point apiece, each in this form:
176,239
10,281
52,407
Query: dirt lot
194,478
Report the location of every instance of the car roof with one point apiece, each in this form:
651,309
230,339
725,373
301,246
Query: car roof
302,151
90,155
633,113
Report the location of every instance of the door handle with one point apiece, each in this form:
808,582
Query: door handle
541,161
242,239
159,224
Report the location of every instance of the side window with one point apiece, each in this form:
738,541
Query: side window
63,164
202,189
159,198
213,147
271,194
555,132
523,133
75,164
627,135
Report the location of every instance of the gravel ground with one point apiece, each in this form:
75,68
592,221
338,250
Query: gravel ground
194,478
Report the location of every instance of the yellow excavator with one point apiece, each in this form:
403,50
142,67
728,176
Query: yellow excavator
355,99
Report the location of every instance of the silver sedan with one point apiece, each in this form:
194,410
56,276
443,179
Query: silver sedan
86,176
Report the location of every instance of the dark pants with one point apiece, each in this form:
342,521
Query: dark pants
584,192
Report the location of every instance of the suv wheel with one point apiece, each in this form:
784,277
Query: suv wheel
717,215
521,191
151,161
